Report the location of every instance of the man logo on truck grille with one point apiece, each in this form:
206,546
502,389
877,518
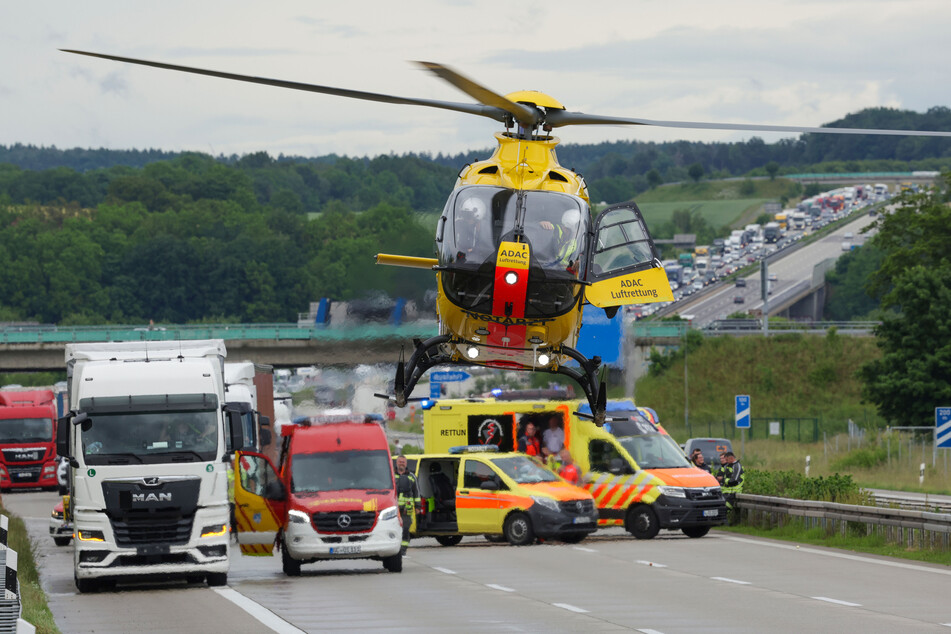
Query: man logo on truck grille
343,521
151,482
151,497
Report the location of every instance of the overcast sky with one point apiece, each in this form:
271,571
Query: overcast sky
797,62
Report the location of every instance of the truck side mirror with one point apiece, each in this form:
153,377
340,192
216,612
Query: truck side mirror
264,435
62,436
490,485
235,429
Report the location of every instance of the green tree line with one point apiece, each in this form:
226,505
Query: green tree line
191,239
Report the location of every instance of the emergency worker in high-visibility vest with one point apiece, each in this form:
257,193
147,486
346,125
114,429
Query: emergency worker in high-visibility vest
563,247
407,493
730,476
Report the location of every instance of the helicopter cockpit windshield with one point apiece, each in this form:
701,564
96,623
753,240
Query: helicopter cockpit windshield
480,217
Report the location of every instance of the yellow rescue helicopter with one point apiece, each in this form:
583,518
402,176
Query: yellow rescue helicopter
519,253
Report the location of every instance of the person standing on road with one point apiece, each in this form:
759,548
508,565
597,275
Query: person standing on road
730,477
569,470
407,493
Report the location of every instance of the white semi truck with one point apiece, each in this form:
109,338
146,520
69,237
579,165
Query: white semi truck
149,441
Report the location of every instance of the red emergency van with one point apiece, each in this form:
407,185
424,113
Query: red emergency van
333,497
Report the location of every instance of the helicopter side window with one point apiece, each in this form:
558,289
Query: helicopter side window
622,244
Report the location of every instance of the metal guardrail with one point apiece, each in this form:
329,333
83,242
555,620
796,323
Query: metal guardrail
907,526
897,501
674,329
81,334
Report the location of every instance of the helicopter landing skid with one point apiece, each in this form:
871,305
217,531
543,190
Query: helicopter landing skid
427,355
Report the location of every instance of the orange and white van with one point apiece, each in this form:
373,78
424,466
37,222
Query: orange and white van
476,491
638,475
334,497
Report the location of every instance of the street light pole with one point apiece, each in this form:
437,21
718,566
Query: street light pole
686,391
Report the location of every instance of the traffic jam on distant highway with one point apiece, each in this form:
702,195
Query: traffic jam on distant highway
708,264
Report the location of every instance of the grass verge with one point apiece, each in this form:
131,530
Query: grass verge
32,598
871,544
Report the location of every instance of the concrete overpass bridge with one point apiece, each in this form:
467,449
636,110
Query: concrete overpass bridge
42,348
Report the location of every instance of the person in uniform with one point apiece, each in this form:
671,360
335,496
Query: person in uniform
407,493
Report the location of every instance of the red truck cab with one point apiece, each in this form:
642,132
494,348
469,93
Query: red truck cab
333,497
27,444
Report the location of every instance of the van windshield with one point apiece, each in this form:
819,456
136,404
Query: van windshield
654,451
341,470
524,471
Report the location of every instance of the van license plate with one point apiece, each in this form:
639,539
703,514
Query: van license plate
582,520
711,513
344,550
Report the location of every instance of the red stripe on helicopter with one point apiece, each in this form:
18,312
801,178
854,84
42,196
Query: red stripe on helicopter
508,295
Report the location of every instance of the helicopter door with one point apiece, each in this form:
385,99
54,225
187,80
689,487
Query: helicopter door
624,267
260,502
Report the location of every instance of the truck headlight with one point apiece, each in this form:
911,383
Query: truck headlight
90,536
297,517
50,468
56,515
548,503
673,492
215,530
389,514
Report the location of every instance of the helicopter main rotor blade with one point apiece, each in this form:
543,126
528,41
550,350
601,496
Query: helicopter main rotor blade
492,112
525,115
558,118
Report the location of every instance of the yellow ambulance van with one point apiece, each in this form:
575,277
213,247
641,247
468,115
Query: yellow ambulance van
637,474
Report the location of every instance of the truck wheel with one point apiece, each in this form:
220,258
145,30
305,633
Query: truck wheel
394,563
62,541
86,585
642,522
518,529
217,579
695,531
291,566
449,540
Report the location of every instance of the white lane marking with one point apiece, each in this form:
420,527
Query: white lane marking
258,611
651,563
815,551
648,631
569,607
728,580
585,550
445,570
495,586
838,602
946,624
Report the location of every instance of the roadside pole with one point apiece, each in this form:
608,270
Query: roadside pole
764,293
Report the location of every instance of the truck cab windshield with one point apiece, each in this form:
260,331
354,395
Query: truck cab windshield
341,470
26,430
654,451
151,437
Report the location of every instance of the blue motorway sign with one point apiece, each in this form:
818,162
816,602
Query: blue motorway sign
435,389
449,377
942,422
742,412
